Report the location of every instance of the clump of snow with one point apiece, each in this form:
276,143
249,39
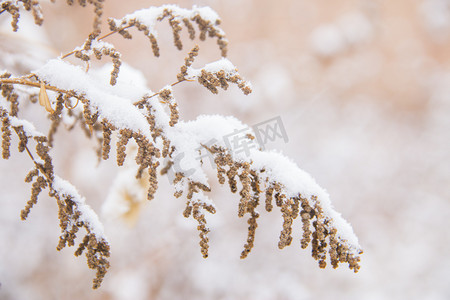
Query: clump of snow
149,16
27,126
295,181
208,127
120,111
88,216
278,168
221,65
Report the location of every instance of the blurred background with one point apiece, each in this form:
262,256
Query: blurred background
363,91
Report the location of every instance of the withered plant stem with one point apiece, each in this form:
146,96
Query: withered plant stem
55,89
38,166
99,39
156,94
31,83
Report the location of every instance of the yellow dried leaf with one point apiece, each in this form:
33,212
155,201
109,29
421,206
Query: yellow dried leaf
42,94
44,100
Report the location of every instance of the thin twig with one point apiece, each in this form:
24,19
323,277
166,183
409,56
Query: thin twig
39,166
99,39
31,83
156,94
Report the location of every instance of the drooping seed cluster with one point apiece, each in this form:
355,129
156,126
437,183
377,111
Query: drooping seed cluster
98,11
7,91
196,207
228,169
97,249
153,145
93,47
6,135
166,96
145,157
177,18
188,61
42,177
317,228
13,8
213,80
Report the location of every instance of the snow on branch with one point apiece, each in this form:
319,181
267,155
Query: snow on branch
74,213
145,20
146,126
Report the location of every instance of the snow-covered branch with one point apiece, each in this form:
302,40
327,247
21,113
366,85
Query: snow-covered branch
124,109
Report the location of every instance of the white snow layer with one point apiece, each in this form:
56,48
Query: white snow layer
149,16
116,105
278,168
118,110
88,216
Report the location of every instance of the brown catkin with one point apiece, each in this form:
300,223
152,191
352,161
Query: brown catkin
23,139
202,228
36,189
269,197
190,28
106,142
176,28
13,99
124,137
42,151
251,234
153,180
174,116
33,173
285,236
306,214
6,137
155,47
96,248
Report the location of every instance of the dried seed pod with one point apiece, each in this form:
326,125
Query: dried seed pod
106,142
124,137
6,138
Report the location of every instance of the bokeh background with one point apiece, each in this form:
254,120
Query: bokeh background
363,90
